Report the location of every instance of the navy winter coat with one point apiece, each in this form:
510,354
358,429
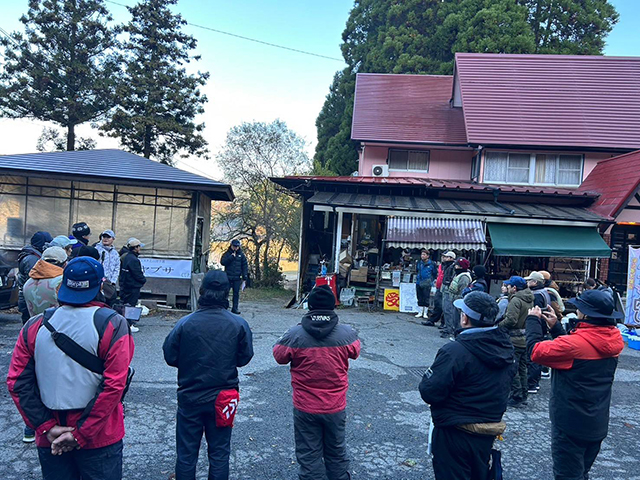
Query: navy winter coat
235,267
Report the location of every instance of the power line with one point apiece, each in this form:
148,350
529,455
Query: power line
249,39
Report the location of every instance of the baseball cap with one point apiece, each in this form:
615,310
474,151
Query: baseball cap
235,243
81,281
537,276
108,233
517,282
461,304
450,254
62,241
134,242
57,254
596,303
215,280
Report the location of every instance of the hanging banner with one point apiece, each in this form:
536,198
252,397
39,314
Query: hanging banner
165,268
391,299
408,298
632,312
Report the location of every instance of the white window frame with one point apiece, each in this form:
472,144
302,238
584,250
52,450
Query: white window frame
532,169
409,150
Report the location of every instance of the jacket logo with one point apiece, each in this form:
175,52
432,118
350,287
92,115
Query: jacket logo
321,318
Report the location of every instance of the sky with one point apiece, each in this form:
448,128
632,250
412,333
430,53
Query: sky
255,82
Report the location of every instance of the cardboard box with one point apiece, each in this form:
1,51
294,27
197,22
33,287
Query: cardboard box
359,275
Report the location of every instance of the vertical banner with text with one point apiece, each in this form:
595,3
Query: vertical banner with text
632,312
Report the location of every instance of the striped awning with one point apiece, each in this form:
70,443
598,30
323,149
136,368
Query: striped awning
435,233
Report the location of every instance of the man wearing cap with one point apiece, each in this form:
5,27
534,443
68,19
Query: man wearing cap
436,313
447,302
110,259
541,299
80,232
319,349
520,301
77,414
207,347
27,258
460,281
584,364
132,277
235,265
41,290
467,388
64,242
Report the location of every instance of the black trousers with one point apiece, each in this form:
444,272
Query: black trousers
321,437
191,422
423,293
436,313
534,372
458,455
130,296
86,463
23,309
572,457
235,286
519,385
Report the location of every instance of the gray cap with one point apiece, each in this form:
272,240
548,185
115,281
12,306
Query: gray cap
109,233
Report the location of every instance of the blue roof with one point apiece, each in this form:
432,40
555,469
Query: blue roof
111,166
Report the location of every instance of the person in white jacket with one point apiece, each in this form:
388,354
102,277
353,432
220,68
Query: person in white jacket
109,258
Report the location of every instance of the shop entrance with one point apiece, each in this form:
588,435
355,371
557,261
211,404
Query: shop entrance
622,236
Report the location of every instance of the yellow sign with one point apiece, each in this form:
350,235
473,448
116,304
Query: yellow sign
392,299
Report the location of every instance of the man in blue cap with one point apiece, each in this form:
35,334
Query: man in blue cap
237,269
207,347
70,398
584,363
520,301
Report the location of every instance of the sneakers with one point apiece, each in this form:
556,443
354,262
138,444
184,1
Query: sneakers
534,389
516,403
29,438
428,323
134,329
441,326
546,374
237,312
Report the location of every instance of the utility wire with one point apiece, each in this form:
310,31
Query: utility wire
249,39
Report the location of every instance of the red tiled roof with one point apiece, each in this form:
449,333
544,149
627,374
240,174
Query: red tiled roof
615,179
550,100
406,108
443,184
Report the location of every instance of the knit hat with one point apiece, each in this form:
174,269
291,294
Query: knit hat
40,239
80,229
463,263
322,298
480,271
87,251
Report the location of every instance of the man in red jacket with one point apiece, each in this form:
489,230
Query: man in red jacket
76,413
319,350
584,365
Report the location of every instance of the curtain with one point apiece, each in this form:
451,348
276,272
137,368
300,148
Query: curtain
518,171
495,167
546,169
569,169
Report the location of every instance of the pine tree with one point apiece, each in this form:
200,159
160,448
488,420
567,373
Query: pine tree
64,68
158,99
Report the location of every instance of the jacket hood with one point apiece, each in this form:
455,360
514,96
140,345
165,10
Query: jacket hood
606,340
320,323
492,346
525,295
28,250
42,270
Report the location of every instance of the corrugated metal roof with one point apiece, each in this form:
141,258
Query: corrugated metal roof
435,183
435,233
457,206
550,100
615,179
115,166
406,108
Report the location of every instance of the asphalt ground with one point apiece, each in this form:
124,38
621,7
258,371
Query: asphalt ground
387,420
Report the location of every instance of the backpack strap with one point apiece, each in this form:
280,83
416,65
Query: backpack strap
69,346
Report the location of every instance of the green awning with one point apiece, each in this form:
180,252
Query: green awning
518,240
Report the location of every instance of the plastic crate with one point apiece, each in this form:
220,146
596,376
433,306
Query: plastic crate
634,342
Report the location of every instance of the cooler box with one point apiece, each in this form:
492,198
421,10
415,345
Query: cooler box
330,280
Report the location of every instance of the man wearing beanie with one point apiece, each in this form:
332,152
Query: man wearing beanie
27,259
207,347
80,232
73,399
467,388
319,349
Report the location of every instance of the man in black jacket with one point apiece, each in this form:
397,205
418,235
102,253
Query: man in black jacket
27,259
235,265
541,298
467,388
132,277
207,346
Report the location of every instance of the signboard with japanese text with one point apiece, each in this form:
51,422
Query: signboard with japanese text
391,299
632,313
408,298
166,268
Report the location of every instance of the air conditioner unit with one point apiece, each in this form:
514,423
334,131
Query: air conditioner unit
380,170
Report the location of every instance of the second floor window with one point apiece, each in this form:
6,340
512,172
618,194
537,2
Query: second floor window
533,169
409,160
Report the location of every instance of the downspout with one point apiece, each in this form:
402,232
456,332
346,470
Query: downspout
496,192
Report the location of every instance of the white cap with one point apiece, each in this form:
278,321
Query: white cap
57,254
450,254
134,242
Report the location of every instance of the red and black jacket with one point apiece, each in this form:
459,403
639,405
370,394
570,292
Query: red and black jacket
584,364
319,350
101,422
